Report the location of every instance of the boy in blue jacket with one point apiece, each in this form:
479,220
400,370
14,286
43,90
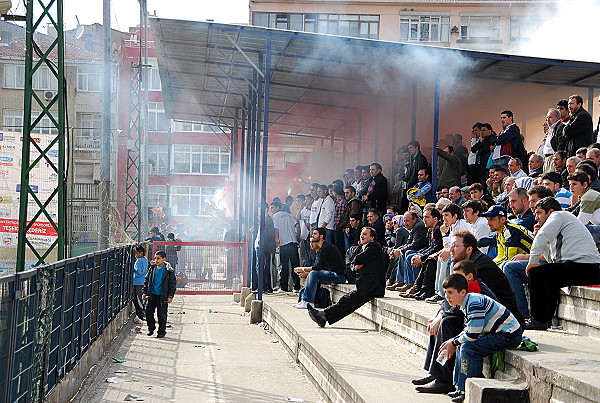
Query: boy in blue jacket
159,289
489,328
140,269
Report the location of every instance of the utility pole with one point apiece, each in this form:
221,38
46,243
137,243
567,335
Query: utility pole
106,126
144,115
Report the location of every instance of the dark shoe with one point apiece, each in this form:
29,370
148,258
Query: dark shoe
161,335
410,293
422,296
392,287
435,299
423,381
533,324
315,315
150,332
435,386
460,398
455,393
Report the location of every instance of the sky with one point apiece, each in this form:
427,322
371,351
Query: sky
126,13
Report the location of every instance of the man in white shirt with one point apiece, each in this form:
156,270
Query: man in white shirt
515,167
326,210
316,205
287,232
472,210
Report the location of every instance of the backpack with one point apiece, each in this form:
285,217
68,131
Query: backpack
322,298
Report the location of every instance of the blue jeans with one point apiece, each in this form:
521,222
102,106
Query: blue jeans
515,273
404,270
317,277
329,236
595,231
470,355
444,269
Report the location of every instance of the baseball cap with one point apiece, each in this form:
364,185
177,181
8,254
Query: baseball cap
495,211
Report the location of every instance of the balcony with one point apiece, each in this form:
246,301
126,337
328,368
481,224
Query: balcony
86,143
86,191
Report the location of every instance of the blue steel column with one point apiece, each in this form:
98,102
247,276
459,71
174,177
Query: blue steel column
436,132
265,146
255,178
394,137
247,185
240,172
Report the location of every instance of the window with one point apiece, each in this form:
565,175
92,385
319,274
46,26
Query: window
480,27
88,79
43,79
425,28
522,28
157,119
152,79
158,158
207,160
157,194
12,120
89,124
359,26
179,126
191,201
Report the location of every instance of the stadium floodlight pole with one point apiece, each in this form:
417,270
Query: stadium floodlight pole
106,125
42,210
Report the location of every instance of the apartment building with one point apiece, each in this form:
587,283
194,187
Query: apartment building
497,26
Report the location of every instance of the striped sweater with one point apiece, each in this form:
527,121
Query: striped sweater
483,316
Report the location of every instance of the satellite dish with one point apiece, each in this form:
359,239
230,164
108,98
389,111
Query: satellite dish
79,32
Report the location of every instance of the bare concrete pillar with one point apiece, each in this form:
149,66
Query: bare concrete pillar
237,296
236,285
248,304
256,311
245,293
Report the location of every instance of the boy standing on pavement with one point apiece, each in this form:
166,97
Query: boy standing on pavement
489,328
159,289
140,269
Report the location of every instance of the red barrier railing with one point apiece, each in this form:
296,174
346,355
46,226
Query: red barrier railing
206,267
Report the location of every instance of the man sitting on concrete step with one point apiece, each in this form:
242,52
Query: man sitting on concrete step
328,268
369,266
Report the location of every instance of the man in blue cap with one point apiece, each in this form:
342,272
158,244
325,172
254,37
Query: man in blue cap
511,239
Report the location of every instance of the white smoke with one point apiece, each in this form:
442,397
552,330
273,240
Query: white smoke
569,32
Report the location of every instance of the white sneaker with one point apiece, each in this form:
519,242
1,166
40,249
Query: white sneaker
301,305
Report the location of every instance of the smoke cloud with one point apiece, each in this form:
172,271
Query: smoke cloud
569,32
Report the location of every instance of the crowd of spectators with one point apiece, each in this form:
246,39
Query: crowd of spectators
517,226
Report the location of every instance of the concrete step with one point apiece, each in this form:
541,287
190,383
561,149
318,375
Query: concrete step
564,369
349,362
579,311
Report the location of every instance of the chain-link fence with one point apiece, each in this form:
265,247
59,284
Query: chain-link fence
51,315
206,267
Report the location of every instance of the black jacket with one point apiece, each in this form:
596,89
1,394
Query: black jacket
578,131
417,239
378,198
436,243
169,283
329,258
558,140
416,163
379,227
513,136
493,277
402,236
370,278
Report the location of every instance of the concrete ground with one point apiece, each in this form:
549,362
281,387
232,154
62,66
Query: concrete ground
206,357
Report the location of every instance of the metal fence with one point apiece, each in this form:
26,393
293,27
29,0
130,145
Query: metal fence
206,267
51,315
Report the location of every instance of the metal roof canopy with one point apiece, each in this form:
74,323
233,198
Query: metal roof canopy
264,80
319,83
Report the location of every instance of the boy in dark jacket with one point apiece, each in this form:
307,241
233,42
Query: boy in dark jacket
158,291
